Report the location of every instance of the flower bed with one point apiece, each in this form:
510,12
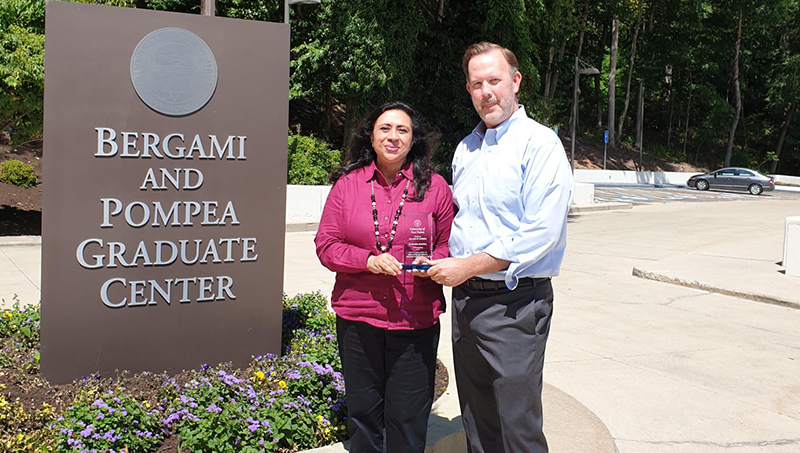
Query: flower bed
276,404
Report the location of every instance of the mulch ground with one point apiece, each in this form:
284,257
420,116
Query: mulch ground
21,209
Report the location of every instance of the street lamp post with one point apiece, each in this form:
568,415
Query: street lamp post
286,4
578,72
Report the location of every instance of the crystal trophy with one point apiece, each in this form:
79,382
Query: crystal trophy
418,238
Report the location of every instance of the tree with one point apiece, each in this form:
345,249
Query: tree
630,70
737,92
21,69
786,90
612,77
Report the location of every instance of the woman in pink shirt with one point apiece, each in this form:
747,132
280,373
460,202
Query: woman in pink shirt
386,207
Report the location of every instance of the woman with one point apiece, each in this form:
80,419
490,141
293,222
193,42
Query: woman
380,212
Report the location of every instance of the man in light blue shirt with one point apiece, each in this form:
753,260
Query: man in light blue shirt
512,186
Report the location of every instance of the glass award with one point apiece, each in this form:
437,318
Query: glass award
418,235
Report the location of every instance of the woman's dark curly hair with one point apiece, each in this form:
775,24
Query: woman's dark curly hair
360,152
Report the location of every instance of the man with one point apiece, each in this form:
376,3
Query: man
512,186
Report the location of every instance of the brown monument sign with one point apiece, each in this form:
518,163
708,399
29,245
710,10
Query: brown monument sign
164,212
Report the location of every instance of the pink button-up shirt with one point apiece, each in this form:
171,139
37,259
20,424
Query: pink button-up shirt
346,238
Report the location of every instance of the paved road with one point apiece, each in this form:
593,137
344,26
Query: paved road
647,195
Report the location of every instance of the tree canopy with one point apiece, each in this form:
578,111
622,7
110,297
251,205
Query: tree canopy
721,78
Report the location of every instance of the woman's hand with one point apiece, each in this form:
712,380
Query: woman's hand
384,264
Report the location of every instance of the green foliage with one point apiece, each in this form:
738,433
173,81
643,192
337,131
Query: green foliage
24,430
264,10
310,160
21,324
315,347
108,420
22,66
285,403
21,80
277,404
222,410
19,337
17,173
347,56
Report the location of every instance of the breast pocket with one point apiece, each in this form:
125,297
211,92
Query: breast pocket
502,187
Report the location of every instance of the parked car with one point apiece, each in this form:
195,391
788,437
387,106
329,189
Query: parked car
733,178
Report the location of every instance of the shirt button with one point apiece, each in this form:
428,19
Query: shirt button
388,201
385,218
386,235
384,297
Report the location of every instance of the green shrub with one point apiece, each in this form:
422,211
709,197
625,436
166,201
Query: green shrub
310,160
108,420
276,404
17,173
23,429
19,337
22,323
305,312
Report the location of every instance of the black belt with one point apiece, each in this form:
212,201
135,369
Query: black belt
483,284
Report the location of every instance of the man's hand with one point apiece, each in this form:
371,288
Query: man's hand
449,271
419,273
455,271
384,264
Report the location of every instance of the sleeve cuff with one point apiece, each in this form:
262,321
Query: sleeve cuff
511,276
363,256
502,250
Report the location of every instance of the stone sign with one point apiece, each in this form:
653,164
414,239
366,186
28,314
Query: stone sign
164,204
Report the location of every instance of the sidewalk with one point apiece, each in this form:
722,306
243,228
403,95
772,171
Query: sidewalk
633,364
20,269
569,425
671,369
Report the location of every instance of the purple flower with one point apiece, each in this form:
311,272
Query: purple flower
87,431
214,408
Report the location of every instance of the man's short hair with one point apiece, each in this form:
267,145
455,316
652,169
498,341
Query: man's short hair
485,47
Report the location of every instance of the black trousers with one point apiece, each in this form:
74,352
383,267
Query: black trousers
388,379
499,338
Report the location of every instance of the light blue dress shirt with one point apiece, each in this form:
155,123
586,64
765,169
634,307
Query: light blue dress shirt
512,186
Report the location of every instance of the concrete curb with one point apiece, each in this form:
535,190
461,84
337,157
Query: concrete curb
594,207
20,241
299,227
646,275
579,432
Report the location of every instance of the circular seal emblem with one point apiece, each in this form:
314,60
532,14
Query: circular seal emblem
173,71
417,223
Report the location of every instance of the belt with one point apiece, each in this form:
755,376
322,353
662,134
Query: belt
483,284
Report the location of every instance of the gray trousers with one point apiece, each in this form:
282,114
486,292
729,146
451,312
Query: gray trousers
499,338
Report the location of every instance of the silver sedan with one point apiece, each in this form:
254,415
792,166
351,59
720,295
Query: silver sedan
733,178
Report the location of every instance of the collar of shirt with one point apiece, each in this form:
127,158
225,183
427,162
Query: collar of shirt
371,173
490,137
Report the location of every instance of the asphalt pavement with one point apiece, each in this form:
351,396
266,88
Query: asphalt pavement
648,194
